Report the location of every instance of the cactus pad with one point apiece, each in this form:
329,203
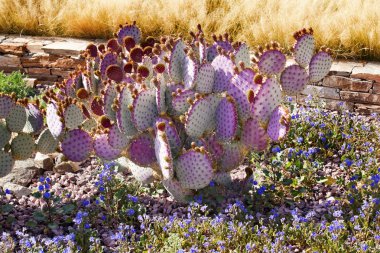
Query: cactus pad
279,123
180,101
124,115
104,150
319,66
178,192
16,119
34,121
194,169
6,163
272,62
223,178
108,59
129,30
233,155
142,174
5,135
117,139
163,153
294,79
226,120
242,55
6,104
224,69
115,73
175,142
141,150
53,121
205,78
254,135
144,110
268,98
199,117
73,116
160,95
46,143
77,145
108,98
190,70
304,49
22,146
176,62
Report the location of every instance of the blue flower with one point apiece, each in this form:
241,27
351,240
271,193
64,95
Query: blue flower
85,202
48,180
7,191
299,139
261,190
42,179
130,212
47,186
87,226
41,188
348,162
212,183
47,195
101,189
134,199
276,149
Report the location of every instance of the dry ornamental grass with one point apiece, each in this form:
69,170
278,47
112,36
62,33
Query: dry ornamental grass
350,27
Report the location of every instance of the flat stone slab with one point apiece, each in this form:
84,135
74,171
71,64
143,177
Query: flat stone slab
359,97
320,91
349,84
371,71
367,109
65,48
344,68
9,60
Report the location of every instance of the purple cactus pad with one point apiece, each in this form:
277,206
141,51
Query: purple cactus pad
294,79
77,145
279,123
224,70
226,118
6,105
104,150
304,49
254,135
141,150
272,62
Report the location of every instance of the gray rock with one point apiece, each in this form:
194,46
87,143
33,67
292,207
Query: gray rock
44,161
22,173
17,190
66,167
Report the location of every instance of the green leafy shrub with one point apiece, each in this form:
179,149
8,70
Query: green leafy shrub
15,83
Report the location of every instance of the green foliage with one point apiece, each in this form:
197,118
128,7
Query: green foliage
15,83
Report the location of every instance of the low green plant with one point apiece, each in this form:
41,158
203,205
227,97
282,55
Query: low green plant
15,83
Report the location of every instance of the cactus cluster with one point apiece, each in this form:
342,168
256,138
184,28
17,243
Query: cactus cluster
181,111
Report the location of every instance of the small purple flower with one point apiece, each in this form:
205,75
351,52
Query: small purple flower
47,195
299,139
42,179
261,190
87,226
7,191
85,202
41,188
276,149
130,212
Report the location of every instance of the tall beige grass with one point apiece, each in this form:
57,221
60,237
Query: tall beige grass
350,27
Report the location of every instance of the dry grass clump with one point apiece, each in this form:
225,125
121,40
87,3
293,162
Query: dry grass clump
350,27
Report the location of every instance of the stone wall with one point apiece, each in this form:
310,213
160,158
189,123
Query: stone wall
353,85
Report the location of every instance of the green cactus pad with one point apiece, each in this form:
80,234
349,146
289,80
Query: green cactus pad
73,116
142,174
177,61
6,163
104,150
5,135
124,115
294,79
304,49
178,192
272,62
268,98
205,78
16,119
35,121
254,135
89,124
144,111
22,146
242,55
319,66
163,154
6,105
77,145
108,98
46,143
194,169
